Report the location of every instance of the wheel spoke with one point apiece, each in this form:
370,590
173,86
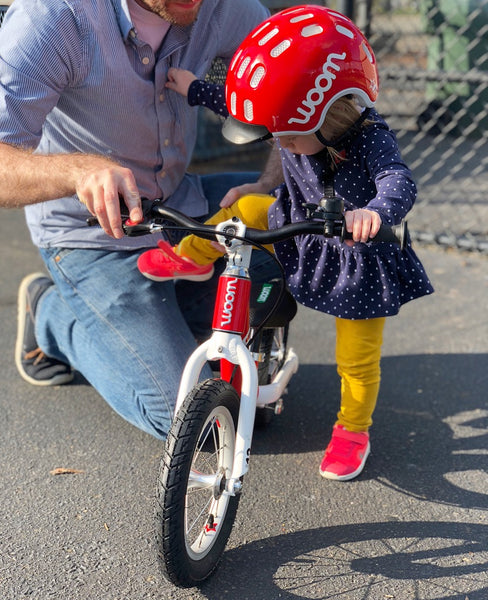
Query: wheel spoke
204,510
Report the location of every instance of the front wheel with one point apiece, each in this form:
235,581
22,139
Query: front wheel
195,514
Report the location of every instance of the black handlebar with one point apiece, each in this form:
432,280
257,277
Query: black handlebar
331,227
395,234
325,219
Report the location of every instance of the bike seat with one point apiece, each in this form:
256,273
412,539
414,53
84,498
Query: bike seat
263,298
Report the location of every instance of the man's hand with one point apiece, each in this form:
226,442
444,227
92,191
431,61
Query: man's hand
99,191
242,190
362,223
271,177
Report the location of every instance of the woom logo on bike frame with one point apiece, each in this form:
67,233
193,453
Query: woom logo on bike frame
231,307
230,295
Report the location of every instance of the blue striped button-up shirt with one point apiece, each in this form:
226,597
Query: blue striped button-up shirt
75,77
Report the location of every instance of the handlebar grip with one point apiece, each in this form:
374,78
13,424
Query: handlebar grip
397,234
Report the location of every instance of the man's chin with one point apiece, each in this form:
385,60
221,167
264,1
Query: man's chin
181,13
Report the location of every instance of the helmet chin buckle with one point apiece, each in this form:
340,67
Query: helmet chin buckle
322,140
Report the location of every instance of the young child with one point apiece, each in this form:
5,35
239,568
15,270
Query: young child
308,76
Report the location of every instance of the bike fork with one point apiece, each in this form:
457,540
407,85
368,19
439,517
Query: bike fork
231,348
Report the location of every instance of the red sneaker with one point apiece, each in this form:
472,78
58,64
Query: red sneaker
163,264
345,455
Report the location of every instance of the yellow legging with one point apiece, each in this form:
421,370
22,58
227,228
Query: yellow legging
251,210
358,353
358,343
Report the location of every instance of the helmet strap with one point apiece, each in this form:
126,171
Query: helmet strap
346,137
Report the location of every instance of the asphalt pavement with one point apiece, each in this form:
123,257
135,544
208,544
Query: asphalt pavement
413,526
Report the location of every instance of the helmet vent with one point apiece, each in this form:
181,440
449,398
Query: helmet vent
345,31
280,48
367,52
235,59
262,28
311,30
248,110
257,76
243,67
338,15
268,36
301,18
233,103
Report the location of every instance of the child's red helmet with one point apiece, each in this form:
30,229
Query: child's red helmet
291,68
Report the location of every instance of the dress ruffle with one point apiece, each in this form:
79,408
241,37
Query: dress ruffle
363,281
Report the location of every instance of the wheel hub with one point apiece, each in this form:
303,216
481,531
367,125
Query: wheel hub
220,484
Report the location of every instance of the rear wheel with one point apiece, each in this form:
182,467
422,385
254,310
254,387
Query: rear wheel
195,514
272,350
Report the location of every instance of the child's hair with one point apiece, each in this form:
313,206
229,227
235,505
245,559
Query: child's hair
342,115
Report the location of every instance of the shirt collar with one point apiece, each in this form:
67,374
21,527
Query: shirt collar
179,35
123,17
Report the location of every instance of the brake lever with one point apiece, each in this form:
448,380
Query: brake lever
132,229
127,225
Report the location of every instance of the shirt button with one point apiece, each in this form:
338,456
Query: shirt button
162,174
166,142
145,60
161,97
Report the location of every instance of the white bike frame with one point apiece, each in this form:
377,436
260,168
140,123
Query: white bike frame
231,347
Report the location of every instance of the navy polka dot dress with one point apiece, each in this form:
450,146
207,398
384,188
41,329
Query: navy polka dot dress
363,281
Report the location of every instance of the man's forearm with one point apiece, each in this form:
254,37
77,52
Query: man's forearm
99,183
29,178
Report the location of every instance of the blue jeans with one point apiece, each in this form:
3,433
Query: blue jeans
128,336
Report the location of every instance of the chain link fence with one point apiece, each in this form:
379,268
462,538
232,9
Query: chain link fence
433,64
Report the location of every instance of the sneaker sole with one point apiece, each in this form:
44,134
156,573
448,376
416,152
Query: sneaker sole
204,277
335,477
21,316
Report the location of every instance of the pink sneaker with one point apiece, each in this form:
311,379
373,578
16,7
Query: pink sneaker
345,455
163,264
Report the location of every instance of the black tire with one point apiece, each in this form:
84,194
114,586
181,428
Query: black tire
272,348
194,517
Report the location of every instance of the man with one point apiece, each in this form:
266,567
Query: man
85,116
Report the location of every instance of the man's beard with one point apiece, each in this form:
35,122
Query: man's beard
184,19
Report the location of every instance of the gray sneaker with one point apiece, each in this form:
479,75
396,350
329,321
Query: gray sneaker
33,365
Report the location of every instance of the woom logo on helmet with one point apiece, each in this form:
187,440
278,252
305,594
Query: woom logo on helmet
322,84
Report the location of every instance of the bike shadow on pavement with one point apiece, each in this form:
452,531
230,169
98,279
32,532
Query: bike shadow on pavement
430,430
413,559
